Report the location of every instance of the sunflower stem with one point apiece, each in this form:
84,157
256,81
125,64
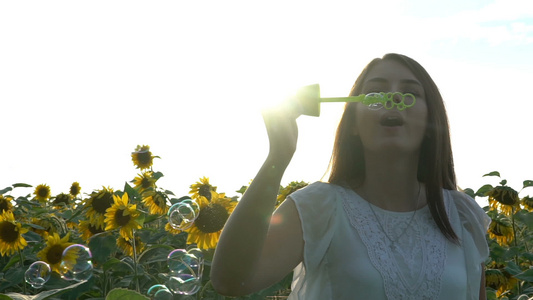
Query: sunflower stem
516,245
137,288
22,266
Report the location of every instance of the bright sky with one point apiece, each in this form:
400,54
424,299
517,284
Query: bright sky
83,82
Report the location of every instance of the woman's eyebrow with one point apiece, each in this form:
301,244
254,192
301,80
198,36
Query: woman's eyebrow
384,80
411,81
377,80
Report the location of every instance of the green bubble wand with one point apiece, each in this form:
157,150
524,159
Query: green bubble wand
309,99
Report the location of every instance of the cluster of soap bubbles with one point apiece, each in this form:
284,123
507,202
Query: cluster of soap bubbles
76,264
185,274
182,215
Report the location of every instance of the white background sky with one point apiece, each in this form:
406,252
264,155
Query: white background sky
83,82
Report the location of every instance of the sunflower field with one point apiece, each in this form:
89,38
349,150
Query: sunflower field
144,242
141,242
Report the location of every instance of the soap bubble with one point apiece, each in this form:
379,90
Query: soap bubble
374,100
179,262
37,274
76,263
182,214
160,292
186,269
184,284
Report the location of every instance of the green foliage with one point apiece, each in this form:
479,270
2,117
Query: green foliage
509,268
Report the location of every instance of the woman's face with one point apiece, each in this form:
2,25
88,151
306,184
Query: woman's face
387,130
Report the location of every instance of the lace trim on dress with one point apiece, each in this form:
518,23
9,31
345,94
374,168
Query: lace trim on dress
412,267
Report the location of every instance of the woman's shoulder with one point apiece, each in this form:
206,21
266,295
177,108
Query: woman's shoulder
316,191
470,212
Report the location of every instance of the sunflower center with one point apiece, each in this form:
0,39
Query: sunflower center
121,218
144,157
508,198
101,204
205,190
146,183
54,254
212,218
8,232
74,190
42,192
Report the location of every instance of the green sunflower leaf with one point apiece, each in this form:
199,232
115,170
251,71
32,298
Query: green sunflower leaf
482,191
132,193
141,218
527,255
13,260
525,217
527,275
493,173
16,185
12,277
513,268
7,189
157,253
528,183
41,295
157,175
102,245
470,192
124,294
117,265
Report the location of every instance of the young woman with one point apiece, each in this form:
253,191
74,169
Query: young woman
388,224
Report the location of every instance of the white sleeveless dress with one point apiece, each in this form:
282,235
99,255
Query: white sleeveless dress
347,255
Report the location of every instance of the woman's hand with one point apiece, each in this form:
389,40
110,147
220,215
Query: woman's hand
282,129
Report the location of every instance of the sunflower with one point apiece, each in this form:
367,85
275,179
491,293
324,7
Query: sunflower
62,200
53,252
504,199
213,215
11,239
42,192
142,157
127,246
122,215
289,189
75,189
156,202
5,203
144,181
202,188
501,229
499,280
89,228
98,203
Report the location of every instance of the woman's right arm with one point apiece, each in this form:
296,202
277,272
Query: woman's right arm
258,248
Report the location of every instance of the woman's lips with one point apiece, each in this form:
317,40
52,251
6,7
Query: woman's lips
391,120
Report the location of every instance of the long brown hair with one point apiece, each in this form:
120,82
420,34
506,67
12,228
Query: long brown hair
435,165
